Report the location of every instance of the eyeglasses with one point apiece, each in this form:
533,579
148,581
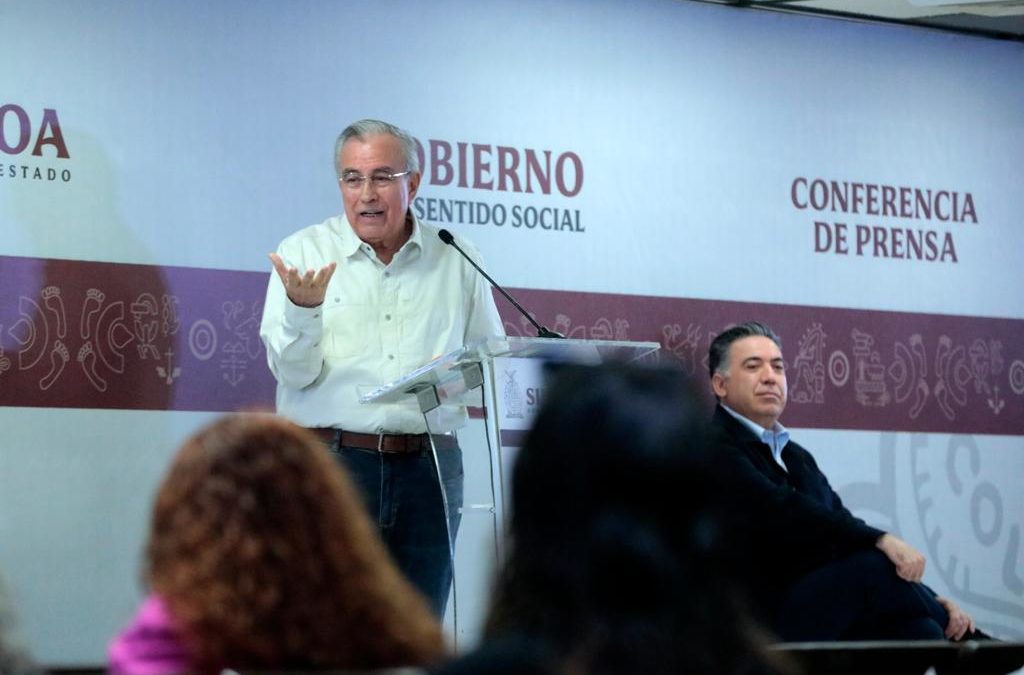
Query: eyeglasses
379,180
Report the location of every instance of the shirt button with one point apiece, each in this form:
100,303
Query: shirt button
387,274
387,317
337,299
317,315
391,357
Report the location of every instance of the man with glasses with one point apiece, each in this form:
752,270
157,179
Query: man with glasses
358,301
820,573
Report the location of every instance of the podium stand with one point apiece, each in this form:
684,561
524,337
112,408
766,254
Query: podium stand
503,376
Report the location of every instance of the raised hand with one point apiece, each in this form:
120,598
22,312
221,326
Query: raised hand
307,289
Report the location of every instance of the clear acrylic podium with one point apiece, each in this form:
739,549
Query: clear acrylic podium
503,377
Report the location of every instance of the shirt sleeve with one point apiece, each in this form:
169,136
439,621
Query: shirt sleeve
291,334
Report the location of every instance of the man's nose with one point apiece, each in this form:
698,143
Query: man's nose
368,193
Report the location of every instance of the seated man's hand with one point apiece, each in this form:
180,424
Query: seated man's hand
960,622
908,560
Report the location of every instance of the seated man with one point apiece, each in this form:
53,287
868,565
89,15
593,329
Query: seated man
821,573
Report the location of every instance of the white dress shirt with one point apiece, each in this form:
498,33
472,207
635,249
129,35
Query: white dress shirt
377,323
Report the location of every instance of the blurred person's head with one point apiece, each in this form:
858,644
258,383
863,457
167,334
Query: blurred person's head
616,555
262,551
14,656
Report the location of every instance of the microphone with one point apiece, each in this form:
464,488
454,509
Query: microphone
542,331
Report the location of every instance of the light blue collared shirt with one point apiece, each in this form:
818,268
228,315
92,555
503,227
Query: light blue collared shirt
775,438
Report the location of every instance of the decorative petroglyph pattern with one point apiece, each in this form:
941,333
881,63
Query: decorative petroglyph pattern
104,335
84,334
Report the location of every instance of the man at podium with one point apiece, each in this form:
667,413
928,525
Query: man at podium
358,301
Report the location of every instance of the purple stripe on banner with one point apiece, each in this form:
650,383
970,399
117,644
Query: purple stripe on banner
513,438
847,369
102,335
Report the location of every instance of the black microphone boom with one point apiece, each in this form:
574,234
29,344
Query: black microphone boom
542,331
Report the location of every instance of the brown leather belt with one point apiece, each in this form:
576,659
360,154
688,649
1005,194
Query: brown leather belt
387,443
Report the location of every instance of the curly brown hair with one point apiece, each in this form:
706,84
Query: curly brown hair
263,553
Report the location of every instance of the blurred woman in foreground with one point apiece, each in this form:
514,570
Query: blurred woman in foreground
260,556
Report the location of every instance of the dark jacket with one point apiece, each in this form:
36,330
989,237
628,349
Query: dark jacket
792,521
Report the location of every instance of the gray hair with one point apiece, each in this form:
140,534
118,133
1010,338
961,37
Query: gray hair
718,353
364,129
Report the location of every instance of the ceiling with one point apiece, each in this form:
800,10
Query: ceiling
1001,19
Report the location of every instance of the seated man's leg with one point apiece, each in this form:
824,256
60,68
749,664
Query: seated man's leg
858,597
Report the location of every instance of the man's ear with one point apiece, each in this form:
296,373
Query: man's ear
414,184
718,385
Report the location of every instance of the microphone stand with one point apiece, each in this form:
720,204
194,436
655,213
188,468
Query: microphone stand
542,331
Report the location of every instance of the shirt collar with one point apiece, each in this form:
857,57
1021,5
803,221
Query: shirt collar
416,238
352,244
775,438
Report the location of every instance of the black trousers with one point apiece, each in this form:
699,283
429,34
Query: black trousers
859,597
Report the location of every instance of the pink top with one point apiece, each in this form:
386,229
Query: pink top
150,644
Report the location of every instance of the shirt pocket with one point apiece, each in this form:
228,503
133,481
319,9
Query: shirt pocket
346,329
431,326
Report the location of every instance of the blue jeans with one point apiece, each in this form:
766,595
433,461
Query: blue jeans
402,496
